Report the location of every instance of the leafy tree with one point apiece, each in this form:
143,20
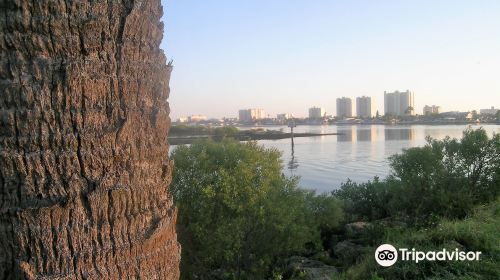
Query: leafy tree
366,201
324,209
226,131
474,114
446,178
183,129
237,212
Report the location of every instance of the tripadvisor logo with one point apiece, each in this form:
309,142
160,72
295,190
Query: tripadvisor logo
386,255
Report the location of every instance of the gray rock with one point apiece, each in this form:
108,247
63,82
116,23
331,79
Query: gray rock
348,251
357,229
453,244
320,256
303,268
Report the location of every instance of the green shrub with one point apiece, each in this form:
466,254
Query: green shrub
184,130
190,130
226,131
446,178
367,201
238,213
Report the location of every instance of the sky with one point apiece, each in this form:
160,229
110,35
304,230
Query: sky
285,56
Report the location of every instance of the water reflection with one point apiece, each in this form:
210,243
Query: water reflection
367,134
371,134
437,132
293,163
357,133
393,134
325,162
346,134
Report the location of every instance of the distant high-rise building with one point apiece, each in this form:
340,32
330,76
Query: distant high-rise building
183,119
399,103
345,107
316,113
431,110
284,116
245,115
197,118
250,115
365,106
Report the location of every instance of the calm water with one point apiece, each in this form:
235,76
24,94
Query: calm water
361,153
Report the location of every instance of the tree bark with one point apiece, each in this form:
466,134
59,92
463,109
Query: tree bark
84,118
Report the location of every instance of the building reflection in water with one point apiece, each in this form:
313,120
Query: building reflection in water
357,133
293,163
406,133
367,134
346,134
371,134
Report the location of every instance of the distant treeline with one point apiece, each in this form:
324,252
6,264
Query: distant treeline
200,130
190,130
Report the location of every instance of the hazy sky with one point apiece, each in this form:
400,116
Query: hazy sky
289,55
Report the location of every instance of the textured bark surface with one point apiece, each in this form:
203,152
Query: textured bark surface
84,119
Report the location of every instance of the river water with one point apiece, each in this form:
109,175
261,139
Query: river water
360,153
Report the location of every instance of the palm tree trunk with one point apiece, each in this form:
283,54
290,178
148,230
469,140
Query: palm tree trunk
84,171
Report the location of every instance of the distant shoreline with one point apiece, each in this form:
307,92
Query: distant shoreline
368,124
180,140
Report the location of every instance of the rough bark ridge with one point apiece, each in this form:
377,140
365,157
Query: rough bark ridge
83,142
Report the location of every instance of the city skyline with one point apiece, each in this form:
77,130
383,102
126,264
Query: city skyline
287,56
365,109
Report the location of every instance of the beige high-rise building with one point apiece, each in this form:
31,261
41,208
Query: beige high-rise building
316,113
284,116
365,106
431,110
197,118
250,115
399,103
345,108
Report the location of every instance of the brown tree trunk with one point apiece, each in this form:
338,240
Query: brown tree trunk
84,171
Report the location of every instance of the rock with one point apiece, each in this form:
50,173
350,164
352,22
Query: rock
320,256
348,251
303,268
453,244
357,229
84,118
